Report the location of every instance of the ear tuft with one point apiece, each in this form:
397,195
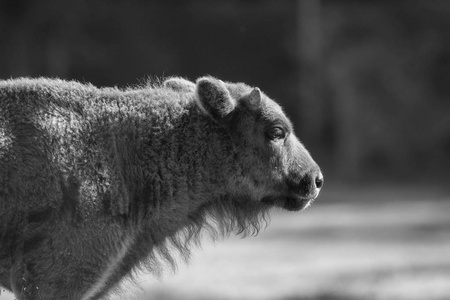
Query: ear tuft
253,99
179,84
214,98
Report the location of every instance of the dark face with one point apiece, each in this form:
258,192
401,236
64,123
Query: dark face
273,166
277,169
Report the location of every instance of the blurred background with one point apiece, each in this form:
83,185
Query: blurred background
367,86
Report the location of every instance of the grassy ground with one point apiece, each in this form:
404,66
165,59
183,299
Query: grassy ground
366,243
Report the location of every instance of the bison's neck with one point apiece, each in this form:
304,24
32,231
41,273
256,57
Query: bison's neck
183,162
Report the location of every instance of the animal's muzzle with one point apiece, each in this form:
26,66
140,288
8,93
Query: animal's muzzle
309,185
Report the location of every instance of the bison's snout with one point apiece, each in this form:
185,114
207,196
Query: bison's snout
309,184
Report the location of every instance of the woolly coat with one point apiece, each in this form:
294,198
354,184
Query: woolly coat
89,175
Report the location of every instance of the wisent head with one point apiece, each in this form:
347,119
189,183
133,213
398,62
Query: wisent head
275,168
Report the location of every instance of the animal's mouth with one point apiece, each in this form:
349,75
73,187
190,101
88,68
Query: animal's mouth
296,204
291,203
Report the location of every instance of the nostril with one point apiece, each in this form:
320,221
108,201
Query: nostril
319,181
309,184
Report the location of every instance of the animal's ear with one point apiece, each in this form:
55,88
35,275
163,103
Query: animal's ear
179,84
214,98
253,99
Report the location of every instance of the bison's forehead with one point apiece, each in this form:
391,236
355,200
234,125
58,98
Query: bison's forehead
272,114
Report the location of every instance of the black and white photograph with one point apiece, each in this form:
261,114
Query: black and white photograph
225,150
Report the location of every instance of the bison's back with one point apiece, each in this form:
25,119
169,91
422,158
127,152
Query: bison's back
60,141
57,135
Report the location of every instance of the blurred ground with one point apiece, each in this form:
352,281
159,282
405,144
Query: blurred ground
372,242
363,243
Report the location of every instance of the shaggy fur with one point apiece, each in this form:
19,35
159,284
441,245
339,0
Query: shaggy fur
97,182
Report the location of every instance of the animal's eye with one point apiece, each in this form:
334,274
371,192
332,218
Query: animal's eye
276,133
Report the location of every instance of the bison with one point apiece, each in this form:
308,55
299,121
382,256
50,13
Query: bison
95,182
